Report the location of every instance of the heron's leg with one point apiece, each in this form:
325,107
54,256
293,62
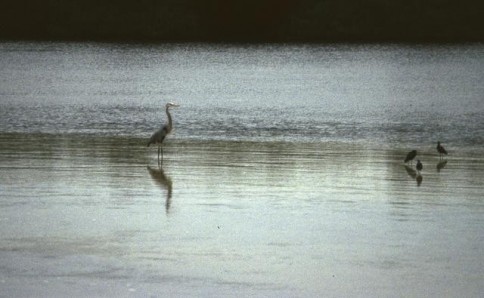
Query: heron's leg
161,154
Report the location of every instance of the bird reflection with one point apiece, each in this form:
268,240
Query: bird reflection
411,172
414,174
164,181
419,179
441,165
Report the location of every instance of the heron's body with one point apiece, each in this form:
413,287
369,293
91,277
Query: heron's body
441,149
159,136
410,156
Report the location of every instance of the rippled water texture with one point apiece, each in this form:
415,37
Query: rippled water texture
284,176
388,94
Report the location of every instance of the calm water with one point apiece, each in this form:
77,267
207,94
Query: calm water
284,175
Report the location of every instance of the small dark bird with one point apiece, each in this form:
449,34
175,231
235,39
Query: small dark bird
441,149
160,134
419,166
410,156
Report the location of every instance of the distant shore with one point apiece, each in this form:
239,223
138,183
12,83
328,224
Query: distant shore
244,21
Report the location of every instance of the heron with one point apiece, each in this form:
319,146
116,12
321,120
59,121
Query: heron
410,156
419,166
158,137
441,149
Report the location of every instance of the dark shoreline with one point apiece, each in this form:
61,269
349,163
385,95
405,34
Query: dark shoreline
135,42
250,21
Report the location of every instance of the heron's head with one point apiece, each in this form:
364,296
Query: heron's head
171,105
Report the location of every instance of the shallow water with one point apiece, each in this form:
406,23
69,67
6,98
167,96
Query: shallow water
97,216
264,192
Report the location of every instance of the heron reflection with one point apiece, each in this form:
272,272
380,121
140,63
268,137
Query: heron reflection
164,181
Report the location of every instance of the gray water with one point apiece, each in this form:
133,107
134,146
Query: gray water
284,175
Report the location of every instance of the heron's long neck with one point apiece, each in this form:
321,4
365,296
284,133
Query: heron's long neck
170,125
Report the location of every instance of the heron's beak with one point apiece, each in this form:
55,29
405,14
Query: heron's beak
172,105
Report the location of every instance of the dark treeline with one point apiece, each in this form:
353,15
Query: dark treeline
243,20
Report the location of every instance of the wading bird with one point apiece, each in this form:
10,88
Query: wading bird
159,135
419,166
441,150
410,156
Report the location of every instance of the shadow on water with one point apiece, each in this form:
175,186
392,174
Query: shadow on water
164,181
441,165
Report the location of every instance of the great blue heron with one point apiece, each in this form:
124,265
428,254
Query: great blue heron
159,135
410,156
419,166
441,150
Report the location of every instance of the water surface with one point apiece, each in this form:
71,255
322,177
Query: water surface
284,175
